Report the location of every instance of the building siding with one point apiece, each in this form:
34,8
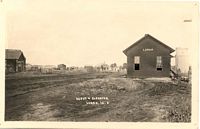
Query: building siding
148,59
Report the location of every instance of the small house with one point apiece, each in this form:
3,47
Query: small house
15,61
148,57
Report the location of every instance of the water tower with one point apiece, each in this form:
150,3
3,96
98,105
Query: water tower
182,60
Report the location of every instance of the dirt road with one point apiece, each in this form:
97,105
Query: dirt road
57,98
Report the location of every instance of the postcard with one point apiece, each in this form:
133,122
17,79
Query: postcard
99,64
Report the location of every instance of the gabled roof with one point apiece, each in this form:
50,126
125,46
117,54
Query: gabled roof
13,54
149,36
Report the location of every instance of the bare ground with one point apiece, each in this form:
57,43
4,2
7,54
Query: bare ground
53,98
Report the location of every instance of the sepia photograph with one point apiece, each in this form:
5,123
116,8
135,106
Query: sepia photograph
101,61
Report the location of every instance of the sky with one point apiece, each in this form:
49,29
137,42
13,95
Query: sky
91,32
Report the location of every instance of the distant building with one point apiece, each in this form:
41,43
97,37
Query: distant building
105,67
28,67
62,67
148,57
182,60
89,68
15,61
72,68
35,68
114,67
47,69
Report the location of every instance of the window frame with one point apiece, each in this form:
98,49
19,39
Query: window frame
136,63
159,63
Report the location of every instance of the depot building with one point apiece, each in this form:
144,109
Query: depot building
148,57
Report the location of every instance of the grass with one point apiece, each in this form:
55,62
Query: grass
178,107
53,98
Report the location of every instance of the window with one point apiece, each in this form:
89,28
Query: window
137,66
159,63
136,60
137,63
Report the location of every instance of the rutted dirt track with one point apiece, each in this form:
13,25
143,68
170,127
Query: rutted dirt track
53,98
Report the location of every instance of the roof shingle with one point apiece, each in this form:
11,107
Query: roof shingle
13,54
